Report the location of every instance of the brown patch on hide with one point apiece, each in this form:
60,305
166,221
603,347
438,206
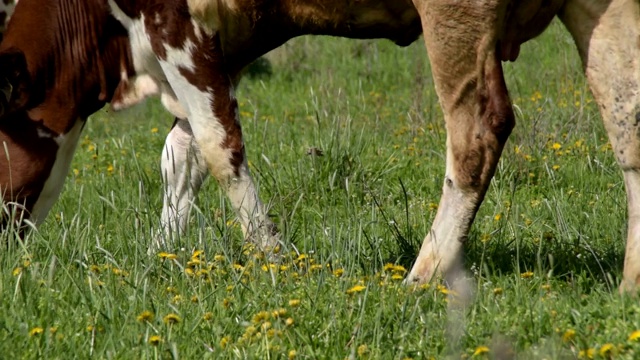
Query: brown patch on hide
65,73
208,74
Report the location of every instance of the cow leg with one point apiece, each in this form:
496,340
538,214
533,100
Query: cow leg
183,172
461,42
607,35
200,83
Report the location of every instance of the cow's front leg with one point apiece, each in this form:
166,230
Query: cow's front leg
608,38
195,70
461,42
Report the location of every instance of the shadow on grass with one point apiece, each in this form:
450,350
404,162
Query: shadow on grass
564,260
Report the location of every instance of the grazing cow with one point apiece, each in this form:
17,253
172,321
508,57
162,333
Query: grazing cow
191,52
51,81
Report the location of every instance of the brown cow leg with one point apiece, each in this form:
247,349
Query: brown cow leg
608,39
461,42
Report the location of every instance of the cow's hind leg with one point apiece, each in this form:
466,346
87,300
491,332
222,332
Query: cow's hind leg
461,43
183,172
195,70
607,35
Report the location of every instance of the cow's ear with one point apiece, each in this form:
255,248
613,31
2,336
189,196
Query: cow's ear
14,80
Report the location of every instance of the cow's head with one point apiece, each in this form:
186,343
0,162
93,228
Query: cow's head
14,81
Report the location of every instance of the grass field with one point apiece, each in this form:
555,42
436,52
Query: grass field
545,253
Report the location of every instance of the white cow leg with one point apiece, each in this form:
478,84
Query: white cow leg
183,172
607,38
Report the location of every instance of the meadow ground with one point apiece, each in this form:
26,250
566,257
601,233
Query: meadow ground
545,253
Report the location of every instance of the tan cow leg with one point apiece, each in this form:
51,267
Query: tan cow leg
461,42
608,38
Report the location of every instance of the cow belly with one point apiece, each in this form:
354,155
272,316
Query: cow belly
150,78
67,144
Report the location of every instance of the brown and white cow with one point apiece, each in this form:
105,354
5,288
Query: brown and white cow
51,81
191,51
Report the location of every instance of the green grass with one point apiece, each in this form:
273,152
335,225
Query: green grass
545,253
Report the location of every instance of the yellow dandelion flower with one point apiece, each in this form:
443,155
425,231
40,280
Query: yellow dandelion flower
315,267
556,146
110,168
145,316
218,258
237,266
356,288
155,340
397,277
586,354
527,275
294,302
197,254
226,302
202,272
225,341
171,319
292,354
497,291
301,257
399,268
193,262
154,130
17,271
568,335
53,329
607,350
279,313
338,272
497,217
250,330
546,287
555,167
194,299
36,331
284,267
634,336
260,317
442,289
362,350
289,322
266,325
167,256
388,267
207,316
189,271
481,350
